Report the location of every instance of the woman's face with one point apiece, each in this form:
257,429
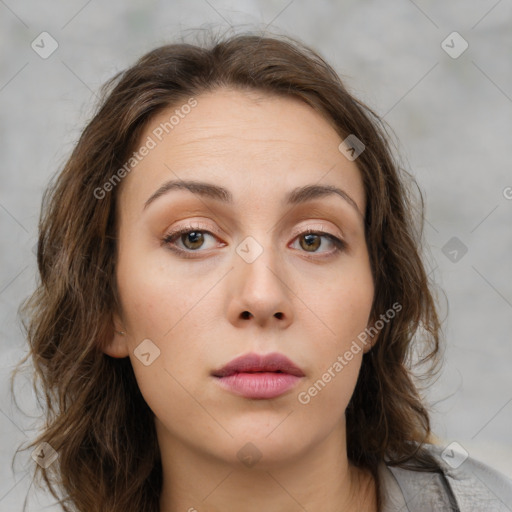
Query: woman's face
183,298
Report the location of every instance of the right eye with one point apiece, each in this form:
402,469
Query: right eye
191,237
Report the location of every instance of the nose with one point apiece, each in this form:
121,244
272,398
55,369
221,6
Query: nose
260,292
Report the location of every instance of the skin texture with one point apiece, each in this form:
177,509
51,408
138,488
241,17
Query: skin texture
259,147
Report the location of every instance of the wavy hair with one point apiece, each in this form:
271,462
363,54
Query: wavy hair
95,416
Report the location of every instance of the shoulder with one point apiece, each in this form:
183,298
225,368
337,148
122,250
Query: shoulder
462,484
475,485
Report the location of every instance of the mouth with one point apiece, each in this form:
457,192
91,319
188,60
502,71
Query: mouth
259,376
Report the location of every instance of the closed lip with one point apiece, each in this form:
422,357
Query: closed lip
253,363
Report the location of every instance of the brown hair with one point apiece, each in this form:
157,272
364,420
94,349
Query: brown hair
96,417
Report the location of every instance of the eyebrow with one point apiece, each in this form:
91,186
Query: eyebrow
296,196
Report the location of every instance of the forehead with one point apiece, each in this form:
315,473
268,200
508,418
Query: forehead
257,145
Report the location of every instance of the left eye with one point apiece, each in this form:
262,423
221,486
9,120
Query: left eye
312,240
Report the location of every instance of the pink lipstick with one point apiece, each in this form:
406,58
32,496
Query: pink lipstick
259,376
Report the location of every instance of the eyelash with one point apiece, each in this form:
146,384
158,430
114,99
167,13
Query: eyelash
169,239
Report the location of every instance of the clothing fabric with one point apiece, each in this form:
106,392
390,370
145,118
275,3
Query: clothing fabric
463,486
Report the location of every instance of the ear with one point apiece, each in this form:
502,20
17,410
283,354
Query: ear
367,347
117,344
371,340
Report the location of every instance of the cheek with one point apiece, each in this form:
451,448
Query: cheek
165,305
345,303
156,295
344,309
156,310
162,312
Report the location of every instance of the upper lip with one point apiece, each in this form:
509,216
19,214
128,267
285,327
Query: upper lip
252,362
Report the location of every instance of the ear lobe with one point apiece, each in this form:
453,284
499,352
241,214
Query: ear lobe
367,347
371,343
117,345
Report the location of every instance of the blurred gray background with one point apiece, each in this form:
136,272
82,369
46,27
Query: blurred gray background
450,107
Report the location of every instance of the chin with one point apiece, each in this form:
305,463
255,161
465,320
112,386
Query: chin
265,445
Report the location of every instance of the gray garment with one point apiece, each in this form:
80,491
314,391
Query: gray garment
471,487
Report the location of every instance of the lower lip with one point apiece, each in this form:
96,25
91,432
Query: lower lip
259,385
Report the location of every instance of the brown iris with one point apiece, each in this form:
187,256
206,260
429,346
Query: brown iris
196,236
312,241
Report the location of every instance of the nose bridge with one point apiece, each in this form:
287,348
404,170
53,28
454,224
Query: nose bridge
259,262
262,284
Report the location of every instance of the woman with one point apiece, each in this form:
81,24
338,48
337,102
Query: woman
230,285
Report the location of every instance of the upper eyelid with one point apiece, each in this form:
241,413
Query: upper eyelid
173,237
316,225
298,231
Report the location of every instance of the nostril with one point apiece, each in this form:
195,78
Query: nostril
246,315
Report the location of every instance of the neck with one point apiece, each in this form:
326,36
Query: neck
319,479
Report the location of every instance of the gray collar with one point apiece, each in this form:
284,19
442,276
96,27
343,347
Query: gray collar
471,487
